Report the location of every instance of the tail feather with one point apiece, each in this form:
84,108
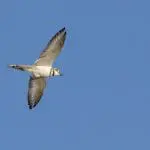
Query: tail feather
21,67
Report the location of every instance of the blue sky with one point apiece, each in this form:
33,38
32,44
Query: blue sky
103,99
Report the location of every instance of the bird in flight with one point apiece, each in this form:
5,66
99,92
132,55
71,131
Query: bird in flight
43,68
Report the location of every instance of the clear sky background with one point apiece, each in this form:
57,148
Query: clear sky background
103,100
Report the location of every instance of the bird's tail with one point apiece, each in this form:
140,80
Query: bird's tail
21,67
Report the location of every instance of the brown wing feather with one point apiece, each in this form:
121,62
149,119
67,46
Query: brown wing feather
52,49
35,91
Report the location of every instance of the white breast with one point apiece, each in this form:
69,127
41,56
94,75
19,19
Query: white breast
42,71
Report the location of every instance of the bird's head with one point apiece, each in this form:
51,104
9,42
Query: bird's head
56,72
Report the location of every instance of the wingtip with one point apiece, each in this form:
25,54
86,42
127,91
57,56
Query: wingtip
63,30
31,107
10,66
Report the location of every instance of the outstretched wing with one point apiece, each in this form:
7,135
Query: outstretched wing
35,91
52,49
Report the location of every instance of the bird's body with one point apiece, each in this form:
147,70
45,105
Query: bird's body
41,71
42,68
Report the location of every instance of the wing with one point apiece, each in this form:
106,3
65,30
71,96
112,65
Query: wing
35,91
52,49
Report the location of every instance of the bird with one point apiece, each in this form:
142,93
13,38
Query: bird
43,68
